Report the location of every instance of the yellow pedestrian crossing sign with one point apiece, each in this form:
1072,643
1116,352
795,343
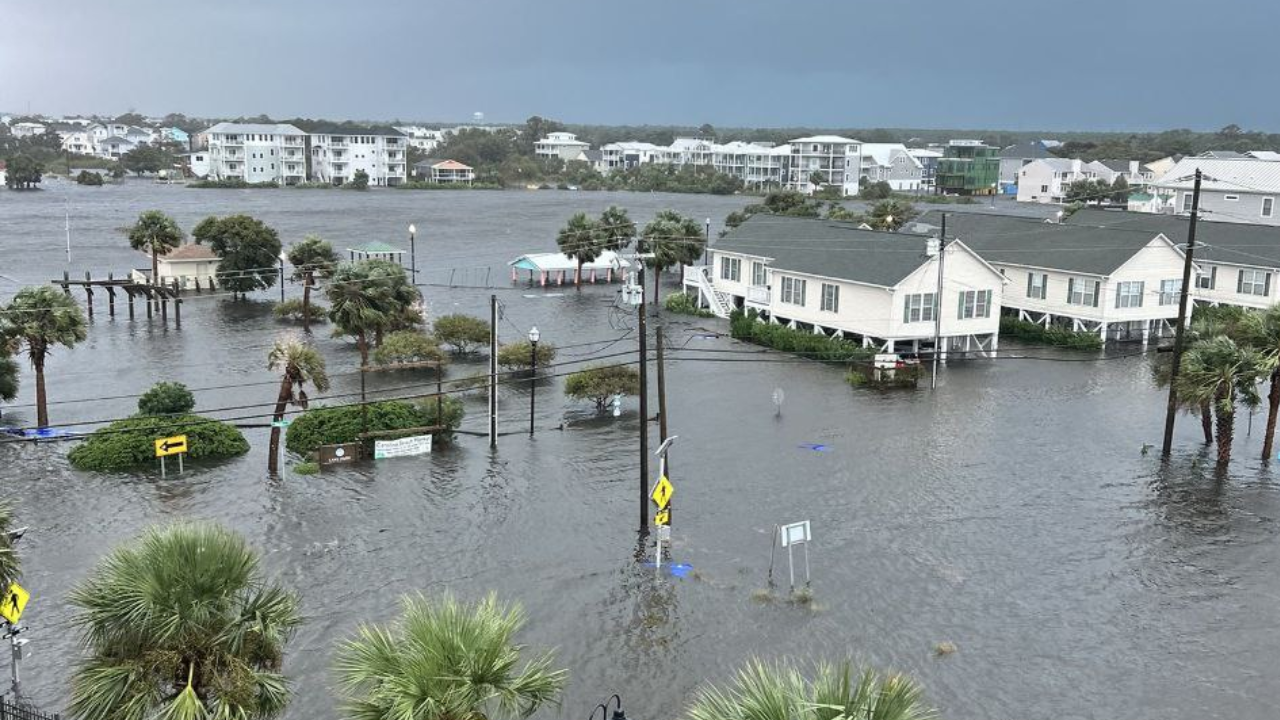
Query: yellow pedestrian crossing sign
14,602
663,518
662,492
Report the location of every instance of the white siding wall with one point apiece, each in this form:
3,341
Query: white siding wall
1226,279
963,272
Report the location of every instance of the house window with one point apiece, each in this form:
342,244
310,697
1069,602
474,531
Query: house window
758,277
830,298
1254,282
919,308
1187,200
1044,188
1231,198
730,268
1170,291
1210,281
1129,295
793,291
974,304
1268,206
1082,291
1037,285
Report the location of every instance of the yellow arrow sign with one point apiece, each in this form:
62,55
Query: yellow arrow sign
171,445
662,492
13,603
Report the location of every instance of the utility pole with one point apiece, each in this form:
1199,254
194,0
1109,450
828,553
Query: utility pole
1171,413
493,371
662,402
937,304
644,406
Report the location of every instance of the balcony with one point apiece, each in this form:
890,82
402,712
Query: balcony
290,141
758,296
338,143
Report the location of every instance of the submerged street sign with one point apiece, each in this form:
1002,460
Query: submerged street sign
171,445
662,493
404,447
339,454
14,602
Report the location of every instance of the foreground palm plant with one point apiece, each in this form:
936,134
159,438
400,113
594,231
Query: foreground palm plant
181,624
445,660
763,691
298,364
10,568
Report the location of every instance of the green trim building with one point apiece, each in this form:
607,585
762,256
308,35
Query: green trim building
968,167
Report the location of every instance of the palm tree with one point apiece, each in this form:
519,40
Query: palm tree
780,692
39,318
404,311
580,239
181,624
445,660
1262,331
357,306
616,229
10,567
8,375
310,258
1220,372
299,364
155,233
673,239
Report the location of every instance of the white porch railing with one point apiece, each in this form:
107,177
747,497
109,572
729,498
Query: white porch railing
758,296
699,277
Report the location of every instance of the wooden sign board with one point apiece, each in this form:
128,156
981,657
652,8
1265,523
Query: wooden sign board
343,454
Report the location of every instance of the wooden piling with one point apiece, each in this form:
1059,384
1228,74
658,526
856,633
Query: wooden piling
88,293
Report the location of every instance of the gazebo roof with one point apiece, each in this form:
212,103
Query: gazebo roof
377,247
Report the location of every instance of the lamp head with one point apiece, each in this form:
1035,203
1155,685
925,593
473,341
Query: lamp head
534,334
413,229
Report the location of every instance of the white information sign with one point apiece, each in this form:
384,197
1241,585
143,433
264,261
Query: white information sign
404,447
795,534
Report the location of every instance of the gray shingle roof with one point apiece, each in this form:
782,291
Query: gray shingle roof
1026,150
827,248
1012,240
1232,243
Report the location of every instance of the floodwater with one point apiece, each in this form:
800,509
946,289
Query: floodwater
1011,512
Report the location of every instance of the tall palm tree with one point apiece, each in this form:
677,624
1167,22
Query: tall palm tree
1225,374
10,567
404,311
580,239
311,258
298,364
157,234
1262,331
764,691
40,318
180,623
357,306
445,660
673,239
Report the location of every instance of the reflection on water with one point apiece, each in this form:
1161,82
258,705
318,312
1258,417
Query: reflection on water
1011,512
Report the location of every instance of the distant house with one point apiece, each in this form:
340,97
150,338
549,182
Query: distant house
1241,190
175,135
560,145
256,153
27,129
115,147
928,159
188,264
444,171
1222,155
1268,155
76,138
338,152
198,164
891,163
834,160
1047,180
1133,172
1015,157
835,279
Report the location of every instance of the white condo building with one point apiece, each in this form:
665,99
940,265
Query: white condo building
257,153
338,152
837,160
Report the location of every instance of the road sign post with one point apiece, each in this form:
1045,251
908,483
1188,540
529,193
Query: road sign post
661,496
173,445
792,535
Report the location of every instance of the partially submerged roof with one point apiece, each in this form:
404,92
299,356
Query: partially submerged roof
450,165
827,248
377,247
1224,242
189,252
554,262
1069,247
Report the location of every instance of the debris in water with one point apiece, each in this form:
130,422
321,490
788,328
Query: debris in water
943,649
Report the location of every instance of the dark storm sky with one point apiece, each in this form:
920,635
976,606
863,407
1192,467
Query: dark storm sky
1015,64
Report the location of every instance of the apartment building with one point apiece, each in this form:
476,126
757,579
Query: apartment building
337,152
257,153
826,160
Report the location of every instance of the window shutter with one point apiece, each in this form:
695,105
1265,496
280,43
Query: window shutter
1213,277
1097,291
1044,286
1266,285
960,311
987,306
1142,290
1120,288
1030,282
1240,281
1071,288
906,310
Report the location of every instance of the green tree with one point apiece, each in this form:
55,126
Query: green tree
616,229
10,564
298,364
359,181
463,333
358,306
536,128
891,214
579,239
23,172
600,383
818,180
181,624
879,190
166,398
519,355
39,318
311,258
1120,191
404,308
156,234
673,239
444,660
1261,330
8,374
146,159
248,251
1219,371
780,692
408,346
89,178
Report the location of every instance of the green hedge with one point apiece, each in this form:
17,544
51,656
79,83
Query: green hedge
685,304
747,326
423,185
230,183
130,443
1011,326
344,423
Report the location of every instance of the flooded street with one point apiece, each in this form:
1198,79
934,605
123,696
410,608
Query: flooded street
1012,512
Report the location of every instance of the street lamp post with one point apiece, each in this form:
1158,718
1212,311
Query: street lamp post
533,379
413,254
283,257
